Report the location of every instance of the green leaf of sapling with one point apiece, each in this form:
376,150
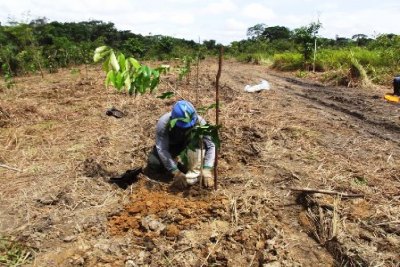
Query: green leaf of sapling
110,79
166,95
119,82
121,62
101,49
154,83
172,123
128,83
134,63
114,62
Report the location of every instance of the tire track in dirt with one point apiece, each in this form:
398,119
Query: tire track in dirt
367,112
364,109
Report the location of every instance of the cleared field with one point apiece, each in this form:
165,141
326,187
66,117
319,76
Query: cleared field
298,134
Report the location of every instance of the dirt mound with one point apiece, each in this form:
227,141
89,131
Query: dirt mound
152,212
91,168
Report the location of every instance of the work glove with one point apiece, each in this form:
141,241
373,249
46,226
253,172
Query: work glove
179,180
208,178
192,177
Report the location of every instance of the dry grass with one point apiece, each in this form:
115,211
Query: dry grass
271,141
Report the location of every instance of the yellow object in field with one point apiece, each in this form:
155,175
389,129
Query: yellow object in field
392,98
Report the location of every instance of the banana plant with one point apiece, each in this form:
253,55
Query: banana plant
128,73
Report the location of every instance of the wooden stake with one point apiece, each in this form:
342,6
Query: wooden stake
221,52
197,75
197,81
201,165
328,192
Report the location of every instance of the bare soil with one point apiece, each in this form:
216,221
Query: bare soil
298,134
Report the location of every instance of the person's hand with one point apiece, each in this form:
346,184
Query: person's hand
208,178
179,180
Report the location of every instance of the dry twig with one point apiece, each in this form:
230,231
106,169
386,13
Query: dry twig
10,168
328,192
175,91
387,223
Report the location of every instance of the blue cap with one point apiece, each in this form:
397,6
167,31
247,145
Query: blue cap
179,111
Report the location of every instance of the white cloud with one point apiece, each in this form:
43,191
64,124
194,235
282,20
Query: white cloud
368,21
220,7
143,17
327,6
292,21
181,1
258,11
181,18
233,24
106,6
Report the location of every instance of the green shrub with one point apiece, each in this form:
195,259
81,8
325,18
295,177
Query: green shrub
288,61
256,58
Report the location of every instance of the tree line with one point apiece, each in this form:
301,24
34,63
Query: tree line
39,46
278,39
344,60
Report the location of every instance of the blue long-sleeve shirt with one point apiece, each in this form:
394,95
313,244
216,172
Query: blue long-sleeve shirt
164,140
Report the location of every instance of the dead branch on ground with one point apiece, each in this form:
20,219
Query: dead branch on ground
10,168
328,192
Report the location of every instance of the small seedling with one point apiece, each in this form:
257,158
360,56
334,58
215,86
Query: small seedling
166,95
8,78
196,137
75,71
301,74
360,180
13,253
203,110
198,132
128,73
186,69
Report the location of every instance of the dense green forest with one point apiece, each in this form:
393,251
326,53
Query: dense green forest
41,46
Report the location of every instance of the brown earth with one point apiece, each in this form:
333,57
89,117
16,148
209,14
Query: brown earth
176,211
298,134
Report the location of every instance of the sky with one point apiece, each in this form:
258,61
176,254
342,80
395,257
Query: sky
221,20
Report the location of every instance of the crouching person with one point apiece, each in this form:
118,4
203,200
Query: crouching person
172,153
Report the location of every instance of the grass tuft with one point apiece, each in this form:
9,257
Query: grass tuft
13,253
